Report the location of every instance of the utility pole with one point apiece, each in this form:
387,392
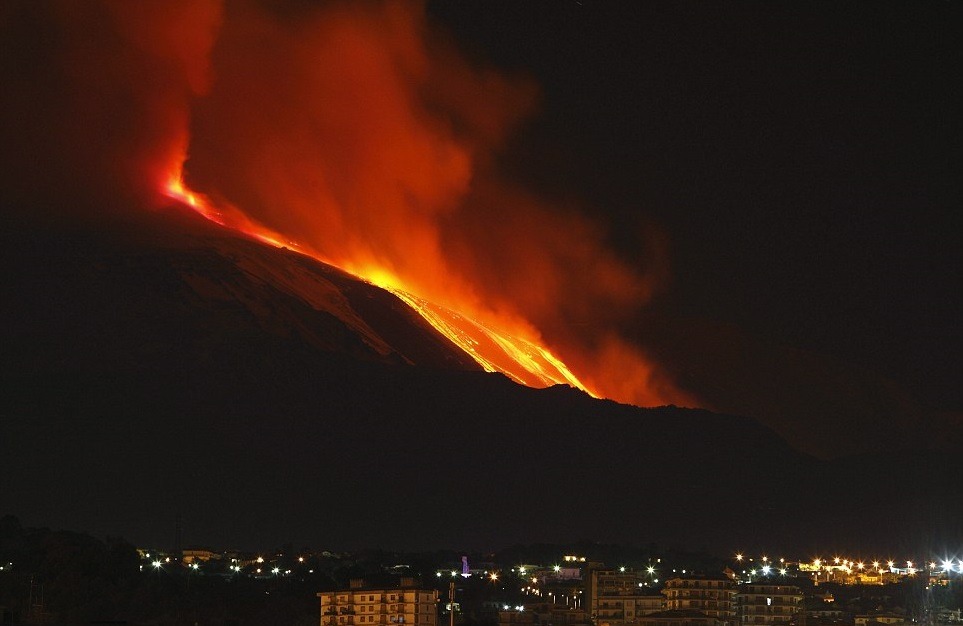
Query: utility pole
451,603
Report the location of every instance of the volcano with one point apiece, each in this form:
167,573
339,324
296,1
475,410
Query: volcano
166,367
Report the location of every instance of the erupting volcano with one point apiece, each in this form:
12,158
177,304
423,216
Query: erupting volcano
375,150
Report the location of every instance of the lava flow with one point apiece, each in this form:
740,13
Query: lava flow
523,360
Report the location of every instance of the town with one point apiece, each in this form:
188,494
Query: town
67,577
576,590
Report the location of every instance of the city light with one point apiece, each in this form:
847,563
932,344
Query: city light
493,576
156,564
739,557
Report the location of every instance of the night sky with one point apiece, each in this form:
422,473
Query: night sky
802,160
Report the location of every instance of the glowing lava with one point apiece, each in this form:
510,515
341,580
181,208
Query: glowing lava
523,360
178,191
231,218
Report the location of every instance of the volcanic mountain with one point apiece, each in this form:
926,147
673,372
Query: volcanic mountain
165,368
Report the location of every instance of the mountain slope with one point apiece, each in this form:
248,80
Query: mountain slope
167,368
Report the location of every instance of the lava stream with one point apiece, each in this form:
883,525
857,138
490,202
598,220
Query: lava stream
522,360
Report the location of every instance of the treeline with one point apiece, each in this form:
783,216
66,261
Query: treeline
64,577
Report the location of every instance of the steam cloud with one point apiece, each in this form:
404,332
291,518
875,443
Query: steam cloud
355,129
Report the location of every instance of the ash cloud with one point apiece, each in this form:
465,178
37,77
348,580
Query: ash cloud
96,97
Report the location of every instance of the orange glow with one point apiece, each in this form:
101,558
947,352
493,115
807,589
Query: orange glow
357,134
228,216
521,359
177,191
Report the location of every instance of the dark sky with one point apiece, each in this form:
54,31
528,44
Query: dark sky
802,158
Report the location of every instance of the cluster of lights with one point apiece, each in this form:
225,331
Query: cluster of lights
237,566
947,566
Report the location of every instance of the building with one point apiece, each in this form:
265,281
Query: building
198,554
712,595
879,618
616,597
680,617
765,604
361,606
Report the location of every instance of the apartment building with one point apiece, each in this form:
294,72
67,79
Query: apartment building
764,604
711,595
617,598
361,606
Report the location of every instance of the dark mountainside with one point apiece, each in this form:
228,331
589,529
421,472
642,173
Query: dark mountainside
166,367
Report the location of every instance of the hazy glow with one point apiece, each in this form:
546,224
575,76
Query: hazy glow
374,150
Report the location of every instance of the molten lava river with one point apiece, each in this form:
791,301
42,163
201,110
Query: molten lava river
521,359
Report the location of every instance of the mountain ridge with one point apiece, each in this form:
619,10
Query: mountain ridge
133,396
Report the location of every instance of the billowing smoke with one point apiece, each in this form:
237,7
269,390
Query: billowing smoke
356,129
96,96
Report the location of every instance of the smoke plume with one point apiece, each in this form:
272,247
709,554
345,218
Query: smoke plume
357,130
